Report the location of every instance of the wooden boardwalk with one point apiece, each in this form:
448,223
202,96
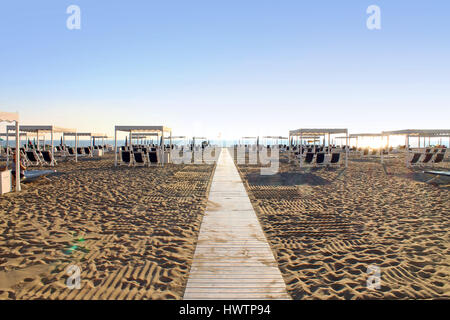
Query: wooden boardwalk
232,259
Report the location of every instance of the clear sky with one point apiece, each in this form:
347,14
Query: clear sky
235,67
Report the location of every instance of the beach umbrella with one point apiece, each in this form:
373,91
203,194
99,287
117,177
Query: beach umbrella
126,142
61,142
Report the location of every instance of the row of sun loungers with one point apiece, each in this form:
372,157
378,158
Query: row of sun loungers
139,158
320,159
426,159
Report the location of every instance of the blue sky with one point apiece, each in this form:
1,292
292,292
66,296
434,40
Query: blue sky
231,67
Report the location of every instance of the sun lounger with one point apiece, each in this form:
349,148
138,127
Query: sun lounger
87,151
334,161
320,159
126,158
47,158
427,159
32,175
153,158
414,161
32,159
80,151
140,159
308,160
439,173
438,158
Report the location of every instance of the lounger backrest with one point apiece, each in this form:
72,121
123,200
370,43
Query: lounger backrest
125,156
335,157
415,157
80,150
47,156
427,150
443,150
428,157
439,157
366,152
71,150
320,158
138,157
153,157
87,150
31,156
309,157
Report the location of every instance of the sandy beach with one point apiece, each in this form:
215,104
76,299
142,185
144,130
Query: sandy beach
326,226
131,231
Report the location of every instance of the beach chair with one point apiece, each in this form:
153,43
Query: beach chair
334,161
308,160
47,158
32,158
140,159
427,159
438,158
80,151
320,159
87,151
126,158
153,158
414,161
32,175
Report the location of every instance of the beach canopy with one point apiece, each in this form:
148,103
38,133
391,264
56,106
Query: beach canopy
43,129
9,116
91,136
419,133
318,132
141,130
13,117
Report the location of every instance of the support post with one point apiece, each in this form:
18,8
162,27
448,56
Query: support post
17,157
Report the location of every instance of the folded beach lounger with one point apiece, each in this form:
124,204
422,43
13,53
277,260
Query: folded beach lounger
32,159
153,158
140,159
334,161
414,161
47,158
80,151
308,158
126,158
427,159
32,175
438,158
320,159
87,151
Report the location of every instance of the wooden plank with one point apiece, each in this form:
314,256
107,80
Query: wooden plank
233,259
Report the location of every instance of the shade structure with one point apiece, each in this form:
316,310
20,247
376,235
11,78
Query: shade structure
248,138
13,117
162,130
91,136
277,138
197,139
318,132
43,129
418,133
